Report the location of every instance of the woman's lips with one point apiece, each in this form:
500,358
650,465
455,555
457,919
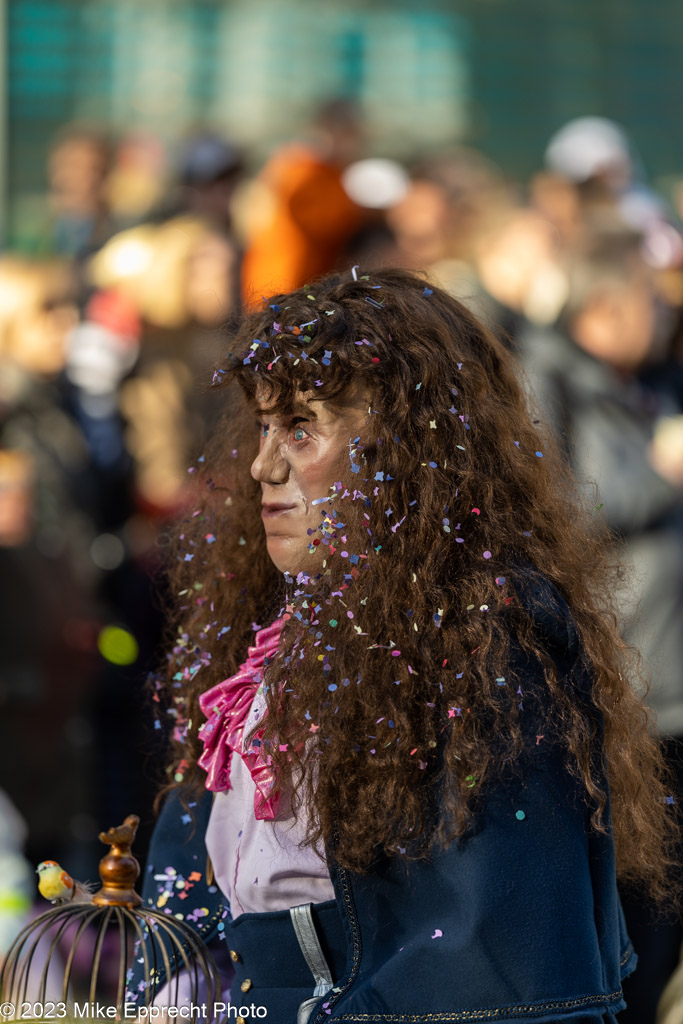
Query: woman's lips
271,509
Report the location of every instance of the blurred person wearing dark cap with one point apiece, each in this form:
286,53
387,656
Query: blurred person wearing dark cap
208,172
209,169
302,217
621,436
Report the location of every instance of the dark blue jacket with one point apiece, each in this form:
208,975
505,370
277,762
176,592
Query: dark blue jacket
519,921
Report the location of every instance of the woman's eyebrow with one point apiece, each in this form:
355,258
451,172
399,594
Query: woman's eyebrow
301,409
296,409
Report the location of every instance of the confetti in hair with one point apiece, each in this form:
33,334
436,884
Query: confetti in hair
442,511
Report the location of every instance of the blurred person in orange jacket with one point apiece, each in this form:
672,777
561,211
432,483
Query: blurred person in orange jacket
305,216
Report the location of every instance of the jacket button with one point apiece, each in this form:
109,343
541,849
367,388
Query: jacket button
246,985
240,1020
234,956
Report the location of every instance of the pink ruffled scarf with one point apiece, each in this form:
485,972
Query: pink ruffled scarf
226,707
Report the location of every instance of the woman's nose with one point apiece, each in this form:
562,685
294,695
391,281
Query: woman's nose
269,466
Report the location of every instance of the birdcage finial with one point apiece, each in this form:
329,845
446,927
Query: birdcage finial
119,869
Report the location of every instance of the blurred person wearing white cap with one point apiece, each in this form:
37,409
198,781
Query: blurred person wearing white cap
601,161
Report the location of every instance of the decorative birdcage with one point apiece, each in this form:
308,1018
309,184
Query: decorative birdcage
165,948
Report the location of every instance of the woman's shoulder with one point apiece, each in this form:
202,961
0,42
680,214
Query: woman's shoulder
550,645
550,614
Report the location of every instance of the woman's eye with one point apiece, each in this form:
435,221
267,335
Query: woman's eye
299,434
265,427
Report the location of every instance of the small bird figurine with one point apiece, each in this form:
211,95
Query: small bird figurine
120,837
57,885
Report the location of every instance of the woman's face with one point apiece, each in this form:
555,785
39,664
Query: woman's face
303,452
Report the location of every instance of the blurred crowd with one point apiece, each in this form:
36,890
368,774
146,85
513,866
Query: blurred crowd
113,308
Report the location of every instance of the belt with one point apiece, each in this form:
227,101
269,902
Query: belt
285,960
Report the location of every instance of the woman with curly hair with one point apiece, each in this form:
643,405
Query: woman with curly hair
418,789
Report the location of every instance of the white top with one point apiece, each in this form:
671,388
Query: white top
257,863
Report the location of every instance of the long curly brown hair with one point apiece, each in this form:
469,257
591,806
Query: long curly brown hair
398,673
